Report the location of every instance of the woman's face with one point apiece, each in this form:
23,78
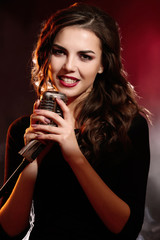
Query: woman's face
75,61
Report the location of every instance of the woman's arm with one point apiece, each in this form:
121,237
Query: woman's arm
14,215
113,211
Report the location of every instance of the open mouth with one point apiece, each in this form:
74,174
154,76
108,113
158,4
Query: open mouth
68,81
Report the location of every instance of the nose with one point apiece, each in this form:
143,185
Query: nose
70,64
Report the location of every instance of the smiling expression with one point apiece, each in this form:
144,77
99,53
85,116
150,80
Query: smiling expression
75,61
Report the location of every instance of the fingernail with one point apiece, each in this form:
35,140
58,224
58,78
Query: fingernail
59,99
47,121
34,125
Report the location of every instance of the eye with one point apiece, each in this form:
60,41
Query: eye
58,52
85,57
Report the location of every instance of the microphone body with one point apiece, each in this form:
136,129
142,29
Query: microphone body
34,147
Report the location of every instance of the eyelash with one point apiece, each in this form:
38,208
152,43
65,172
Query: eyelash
58,52
84,57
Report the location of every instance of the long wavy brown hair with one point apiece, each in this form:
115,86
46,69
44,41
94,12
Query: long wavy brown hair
107,112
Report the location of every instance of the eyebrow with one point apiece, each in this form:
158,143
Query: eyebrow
82,51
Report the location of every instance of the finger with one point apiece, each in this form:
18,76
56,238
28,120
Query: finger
64,108
30,136
50,115
48,137
46,129
39,119
33,136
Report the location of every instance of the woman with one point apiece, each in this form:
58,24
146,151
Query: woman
90,181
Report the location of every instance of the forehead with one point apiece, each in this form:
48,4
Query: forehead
75,36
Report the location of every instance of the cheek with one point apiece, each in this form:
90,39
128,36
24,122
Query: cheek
90,73
90,70
56,65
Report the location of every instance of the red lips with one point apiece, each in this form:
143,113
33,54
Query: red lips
68,81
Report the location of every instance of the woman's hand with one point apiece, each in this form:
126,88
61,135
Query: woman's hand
30,133
63,133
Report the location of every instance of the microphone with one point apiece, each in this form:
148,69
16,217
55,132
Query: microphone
48,102
34,147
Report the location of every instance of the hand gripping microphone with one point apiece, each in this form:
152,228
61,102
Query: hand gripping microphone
34,147
48,102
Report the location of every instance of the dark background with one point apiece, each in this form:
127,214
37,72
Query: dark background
139,21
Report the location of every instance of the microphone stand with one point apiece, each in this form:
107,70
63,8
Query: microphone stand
29,152
15,174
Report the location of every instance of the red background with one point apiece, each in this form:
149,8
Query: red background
139,21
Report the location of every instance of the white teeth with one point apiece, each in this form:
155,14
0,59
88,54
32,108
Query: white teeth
68,80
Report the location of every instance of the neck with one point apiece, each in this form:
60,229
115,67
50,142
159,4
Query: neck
72,106
75,108
73,103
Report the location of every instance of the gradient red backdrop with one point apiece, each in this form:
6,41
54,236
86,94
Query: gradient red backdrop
139,21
